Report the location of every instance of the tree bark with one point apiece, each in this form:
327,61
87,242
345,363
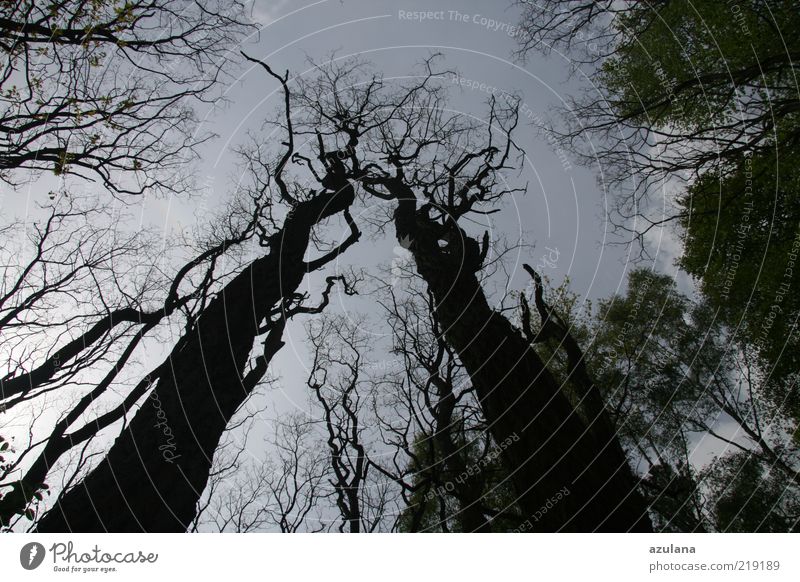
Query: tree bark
157,468
469,492
545,445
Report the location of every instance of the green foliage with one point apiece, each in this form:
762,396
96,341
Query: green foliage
671,372
747,497
712,72
639,356
703,91
672,494
742,243
700,60
435,499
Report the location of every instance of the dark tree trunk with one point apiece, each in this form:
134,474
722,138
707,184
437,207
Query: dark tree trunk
468,488
157,468
546,447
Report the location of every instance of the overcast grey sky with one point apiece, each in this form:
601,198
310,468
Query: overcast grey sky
563,212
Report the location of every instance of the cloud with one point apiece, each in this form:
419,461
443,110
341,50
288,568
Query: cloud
265,12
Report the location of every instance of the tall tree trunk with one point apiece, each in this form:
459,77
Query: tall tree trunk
157,468
546,446
468,488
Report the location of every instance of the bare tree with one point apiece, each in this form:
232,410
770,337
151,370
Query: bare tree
397,143
76,315
73,316
577,28
103,90
296,476
202,383
343,395
161,455
279,490
400,144
443,458
87,284
316,474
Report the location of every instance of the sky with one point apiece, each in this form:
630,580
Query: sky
562,215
